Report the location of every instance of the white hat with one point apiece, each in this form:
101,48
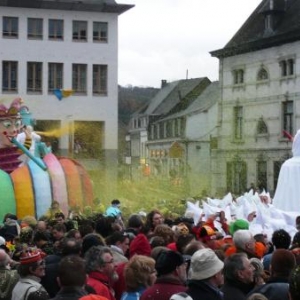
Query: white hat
205,264
2,240
181,296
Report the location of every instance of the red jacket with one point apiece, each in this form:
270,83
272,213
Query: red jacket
100,283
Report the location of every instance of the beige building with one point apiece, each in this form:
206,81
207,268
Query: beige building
260,98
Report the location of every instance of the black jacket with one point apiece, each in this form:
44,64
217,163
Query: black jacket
275,289
199,290
236,290
70,293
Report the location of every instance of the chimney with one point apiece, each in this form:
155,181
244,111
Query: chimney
163,83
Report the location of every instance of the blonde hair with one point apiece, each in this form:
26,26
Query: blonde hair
137,272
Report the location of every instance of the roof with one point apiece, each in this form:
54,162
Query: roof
253,35
208,98
181,91
106,6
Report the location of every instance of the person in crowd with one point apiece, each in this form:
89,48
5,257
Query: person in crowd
281,239
206,276
171,277
31,270
90,240
49,281
244,242
114,209
277,287
119,245
58,232
238,277
11,228
71,278
165,232
134,225
295,247
100,267
259,276
153,219
294,284
139,273
74,233
54,208
59,218
41,240
8,277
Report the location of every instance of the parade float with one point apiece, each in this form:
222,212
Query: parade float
31,177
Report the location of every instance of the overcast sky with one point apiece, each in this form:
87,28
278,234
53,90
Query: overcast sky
170,39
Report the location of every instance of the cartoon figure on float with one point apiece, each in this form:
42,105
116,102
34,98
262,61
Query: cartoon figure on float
31,177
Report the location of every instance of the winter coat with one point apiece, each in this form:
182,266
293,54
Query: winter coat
200,289
100,283
25,287
164,287
236,290
8,280
70,293
274,289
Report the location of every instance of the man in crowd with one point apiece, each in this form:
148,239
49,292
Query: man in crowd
238,277
9,278
206,276
277,288
171,277
100,267
71,278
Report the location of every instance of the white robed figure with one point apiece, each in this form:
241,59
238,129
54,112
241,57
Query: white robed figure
287,195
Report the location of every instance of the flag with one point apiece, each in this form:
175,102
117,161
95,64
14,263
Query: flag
62,93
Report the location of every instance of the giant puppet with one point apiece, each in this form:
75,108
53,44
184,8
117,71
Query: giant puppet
28,186
287,195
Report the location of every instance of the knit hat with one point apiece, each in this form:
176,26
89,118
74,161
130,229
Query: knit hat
237,225
282,262
181,296
205,264
140,245
30,256
168,261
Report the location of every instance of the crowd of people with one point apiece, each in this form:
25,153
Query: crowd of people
104,256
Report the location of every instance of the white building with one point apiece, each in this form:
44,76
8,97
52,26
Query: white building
68,45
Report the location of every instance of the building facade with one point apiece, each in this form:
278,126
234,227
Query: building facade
48,47
260,99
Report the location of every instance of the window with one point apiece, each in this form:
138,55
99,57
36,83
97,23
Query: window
34,77
79,31
100,30
238,76
55,76
262,74
10,27
79,79
100,79
287,67
35,28
56,29
9,76
288,111
261,167
238,122
237,177
261,127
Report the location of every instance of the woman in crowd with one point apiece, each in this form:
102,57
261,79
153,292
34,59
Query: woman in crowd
139,274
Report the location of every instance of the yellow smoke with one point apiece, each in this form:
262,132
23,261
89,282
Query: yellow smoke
57,132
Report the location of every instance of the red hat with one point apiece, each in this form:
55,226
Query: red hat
30,256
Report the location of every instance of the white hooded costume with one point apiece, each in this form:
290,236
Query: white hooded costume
287,195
